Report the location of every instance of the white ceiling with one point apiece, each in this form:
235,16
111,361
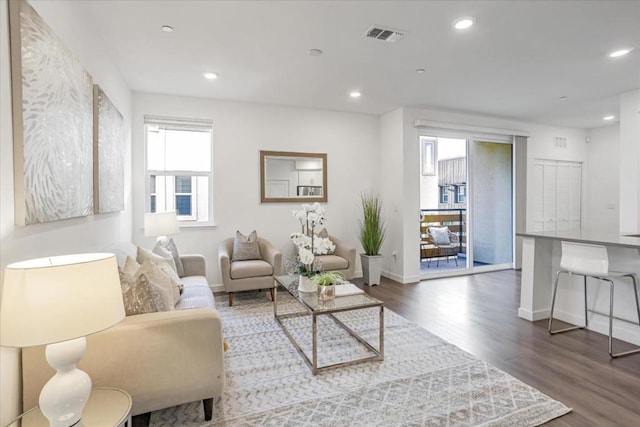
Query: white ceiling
515,62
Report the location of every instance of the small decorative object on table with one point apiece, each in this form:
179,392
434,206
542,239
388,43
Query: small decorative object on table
326,283
308,245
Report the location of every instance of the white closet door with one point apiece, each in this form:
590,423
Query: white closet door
549,196
562,196
575,199
538,196
557,195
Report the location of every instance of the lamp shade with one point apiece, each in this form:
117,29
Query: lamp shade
49,300
160,224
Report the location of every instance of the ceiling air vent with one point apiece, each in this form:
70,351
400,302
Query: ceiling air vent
385,34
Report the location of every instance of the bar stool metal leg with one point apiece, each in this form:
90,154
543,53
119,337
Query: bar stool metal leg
553,303
635,291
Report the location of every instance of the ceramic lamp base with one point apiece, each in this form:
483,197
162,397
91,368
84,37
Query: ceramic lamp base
63,397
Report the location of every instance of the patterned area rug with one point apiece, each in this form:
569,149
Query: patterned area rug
423,380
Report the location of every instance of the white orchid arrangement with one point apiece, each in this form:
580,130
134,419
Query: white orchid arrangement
307,242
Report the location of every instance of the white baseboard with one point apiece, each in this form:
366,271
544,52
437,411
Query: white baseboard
401,279
533,316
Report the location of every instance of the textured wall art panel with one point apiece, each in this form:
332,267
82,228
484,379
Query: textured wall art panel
108,154
53,123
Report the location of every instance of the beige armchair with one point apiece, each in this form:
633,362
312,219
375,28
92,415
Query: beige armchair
249,275
343,260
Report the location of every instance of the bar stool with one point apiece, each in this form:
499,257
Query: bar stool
591,261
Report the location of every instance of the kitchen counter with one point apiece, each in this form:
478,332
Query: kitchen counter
625,240
541,252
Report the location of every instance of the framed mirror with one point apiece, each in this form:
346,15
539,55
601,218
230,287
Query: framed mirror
293,177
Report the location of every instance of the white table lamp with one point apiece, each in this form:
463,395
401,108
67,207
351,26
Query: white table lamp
160,225
58,301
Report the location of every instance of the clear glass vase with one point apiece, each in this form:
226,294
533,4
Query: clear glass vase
326,292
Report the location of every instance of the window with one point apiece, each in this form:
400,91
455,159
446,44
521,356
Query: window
179,172
428,155
444,194
461,192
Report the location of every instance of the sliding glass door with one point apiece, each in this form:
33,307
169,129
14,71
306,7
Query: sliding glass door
466,205
492,195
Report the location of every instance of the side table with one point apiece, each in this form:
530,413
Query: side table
106,407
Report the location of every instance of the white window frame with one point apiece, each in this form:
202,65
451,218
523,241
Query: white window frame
183,220
429,156
444,194
462,187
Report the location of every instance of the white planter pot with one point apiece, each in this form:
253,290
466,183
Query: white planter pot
306,285
371,268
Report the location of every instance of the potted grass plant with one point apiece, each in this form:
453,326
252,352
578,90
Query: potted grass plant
326,283
372,233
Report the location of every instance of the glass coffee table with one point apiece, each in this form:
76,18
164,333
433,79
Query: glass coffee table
314,308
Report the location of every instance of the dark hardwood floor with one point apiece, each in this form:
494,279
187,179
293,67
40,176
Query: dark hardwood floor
478,313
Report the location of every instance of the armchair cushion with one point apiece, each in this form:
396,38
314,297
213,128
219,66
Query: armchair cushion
440,235
250,268
245,247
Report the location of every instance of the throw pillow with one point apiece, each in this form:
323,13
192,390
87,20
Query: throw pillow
246,247
440,235
131,266
168,288
323,233
138,296
166,255
171,247
144,254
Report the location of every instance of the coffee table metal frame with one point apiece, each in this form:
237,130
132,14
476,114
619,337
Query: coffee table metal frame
313,308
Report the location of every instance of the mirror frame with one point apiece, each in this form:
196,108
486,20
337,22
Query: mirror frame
295,199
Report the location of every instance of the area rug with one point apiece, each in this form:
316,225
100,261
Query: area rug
423,380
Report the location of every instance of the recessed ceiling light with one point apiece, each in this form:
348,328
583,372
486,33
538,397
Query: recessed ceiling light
167,28
211,76
619,53
608,117
314,52
463,23
355,94
420,70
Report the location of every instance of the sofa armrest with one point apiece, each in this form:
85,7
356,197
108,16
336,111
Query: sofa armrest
194,265
161,359
224,261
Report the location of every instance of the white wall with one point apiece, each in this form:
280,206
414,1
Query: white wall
391,192
74,235
240,131
629,173
603,180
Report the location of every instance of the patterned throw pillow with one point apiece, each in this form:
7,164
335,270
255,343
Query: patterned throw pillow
440,235
246,247
158,276
139,296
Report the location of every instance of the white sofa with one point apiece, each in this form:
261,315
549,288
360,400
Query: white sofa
161,359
